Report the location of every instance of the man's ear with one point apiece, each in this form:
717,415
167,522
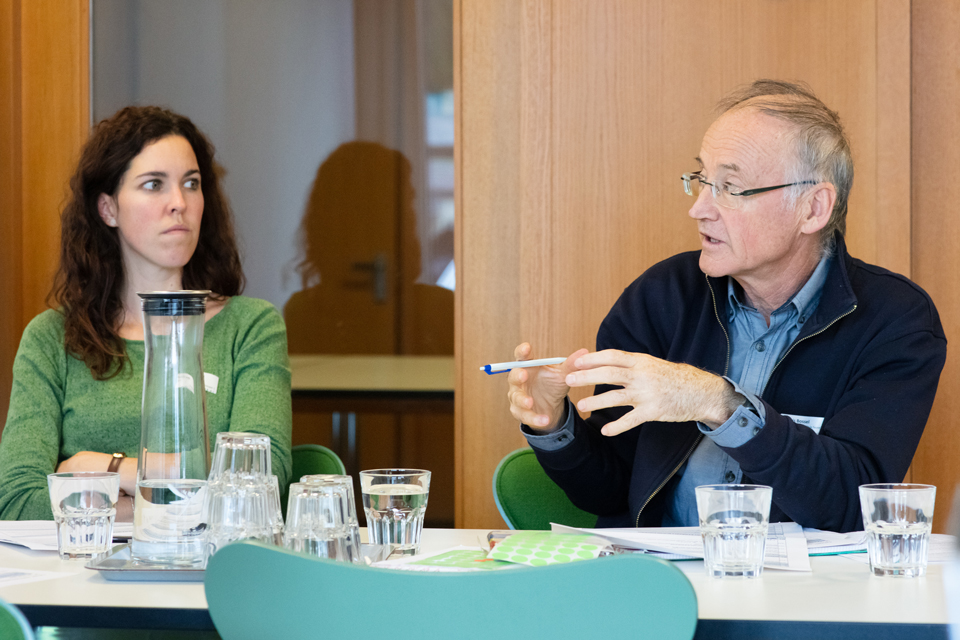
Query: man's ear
818,207
107,206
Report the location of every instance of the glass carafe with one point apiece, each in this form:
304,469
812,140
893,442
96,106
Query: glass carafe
174,457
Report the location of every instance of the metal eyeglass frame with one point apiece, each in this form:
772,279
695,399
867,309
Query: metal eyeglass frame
687,178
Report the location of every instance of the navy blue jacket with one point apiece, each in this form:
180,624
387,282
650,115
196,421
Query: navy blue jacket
868,362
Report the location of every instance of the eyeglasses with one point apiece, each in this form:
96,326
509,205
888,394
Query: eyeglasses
725,195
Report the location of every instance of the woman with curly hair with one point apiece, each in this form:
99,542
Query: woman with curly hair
146,213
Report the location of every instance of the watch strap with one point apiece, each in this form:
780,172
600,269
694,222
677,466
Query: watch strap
115,462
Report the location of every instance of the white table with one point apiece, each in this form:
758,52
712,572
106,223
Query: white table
838,599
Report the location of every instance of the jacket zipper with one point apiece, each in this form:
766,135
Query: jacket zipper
667,479
726,367
783,357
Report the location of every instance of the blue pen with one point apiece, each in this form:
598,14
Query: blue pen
503,367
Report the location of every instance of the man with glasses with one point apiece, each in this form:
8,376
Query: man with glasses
771,356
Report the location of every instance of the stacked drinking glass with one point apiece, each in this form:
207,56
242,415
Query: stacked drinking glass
322,518
242,500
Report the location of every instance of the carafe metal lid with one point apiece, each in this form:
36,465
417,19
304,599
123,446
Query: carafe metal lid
179,295
174,303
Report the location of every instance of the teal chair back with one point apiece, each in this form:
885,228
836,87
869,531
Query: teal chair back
308,460
257,591
13,626
528,499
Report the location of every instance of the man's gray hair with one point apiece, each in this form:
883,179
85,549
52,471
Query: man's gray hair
822,149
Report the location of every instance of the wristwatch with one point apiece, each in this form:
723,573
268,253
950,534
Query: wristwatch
746,404
115,462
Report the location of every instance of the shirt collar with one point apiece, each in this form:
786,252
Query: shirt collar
804,300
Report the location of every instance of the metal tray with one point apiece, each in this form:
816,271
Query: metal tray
119,566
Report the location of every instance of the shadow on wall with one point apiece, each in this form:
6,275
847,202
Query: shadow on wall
359,261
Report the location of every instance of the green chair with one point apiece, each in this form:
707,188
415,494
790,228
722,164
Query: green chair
257,591
13,626
311,459
528,499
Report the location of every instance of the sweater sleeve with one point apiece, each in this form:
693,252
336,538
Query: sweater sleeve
30,444
261,401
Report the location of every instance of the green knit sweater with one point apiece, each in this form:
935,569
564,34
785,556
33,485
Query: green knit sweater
57,409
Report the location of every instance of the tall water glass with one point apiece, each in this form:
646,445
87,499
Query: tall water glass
352,543
318,521
174,458
395,501
733,524
897,519
84,507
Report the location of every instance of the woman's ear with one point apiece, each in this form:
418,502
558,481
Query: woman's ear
107,206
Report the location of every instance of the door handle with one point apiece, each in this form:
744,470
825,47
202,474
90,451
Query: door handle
378,269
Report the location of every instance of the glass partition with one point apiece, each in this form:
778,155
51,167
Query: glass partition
333,121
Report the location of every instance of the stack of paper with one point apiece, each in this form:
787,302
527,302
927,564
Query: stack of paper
828,543
786,545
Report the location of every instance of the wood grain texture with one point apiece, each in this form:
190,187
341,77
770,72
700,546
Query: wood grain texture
575,120
44,120
11,258
458,377
936,227
487,243
55,122
893,137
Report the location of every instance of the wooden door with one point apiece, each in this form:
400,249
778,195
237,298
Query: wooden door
351,253
360,265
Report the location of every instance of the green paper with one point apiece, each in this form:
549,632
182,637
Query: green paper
463,559
542,548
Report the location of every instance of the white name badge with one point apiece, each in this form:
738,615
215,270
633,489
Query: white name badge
807,421
211,382
185,381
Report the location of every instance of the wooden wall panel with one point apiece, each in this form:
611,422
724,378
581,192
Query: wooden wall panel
936,227
44,120
487,240
10,251
576,119
55,90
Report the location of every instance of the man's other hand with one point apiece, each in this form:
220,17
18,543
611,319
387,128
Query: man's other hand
658,391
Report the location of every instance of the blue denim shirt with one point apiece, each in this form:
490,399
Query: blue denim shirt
755,349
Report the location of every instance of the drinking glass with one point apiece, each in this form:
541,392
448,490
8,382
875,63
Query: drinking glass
241,499
395,501
352,543
897,519
240,452
276,518
238,509
733,525
84,508
318,522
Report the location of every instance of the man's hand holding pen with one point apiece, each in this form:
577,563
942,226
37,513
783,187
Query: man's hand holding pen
537,395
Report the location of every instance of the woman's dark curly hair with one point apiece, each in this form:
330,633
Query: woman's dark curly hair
88,285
